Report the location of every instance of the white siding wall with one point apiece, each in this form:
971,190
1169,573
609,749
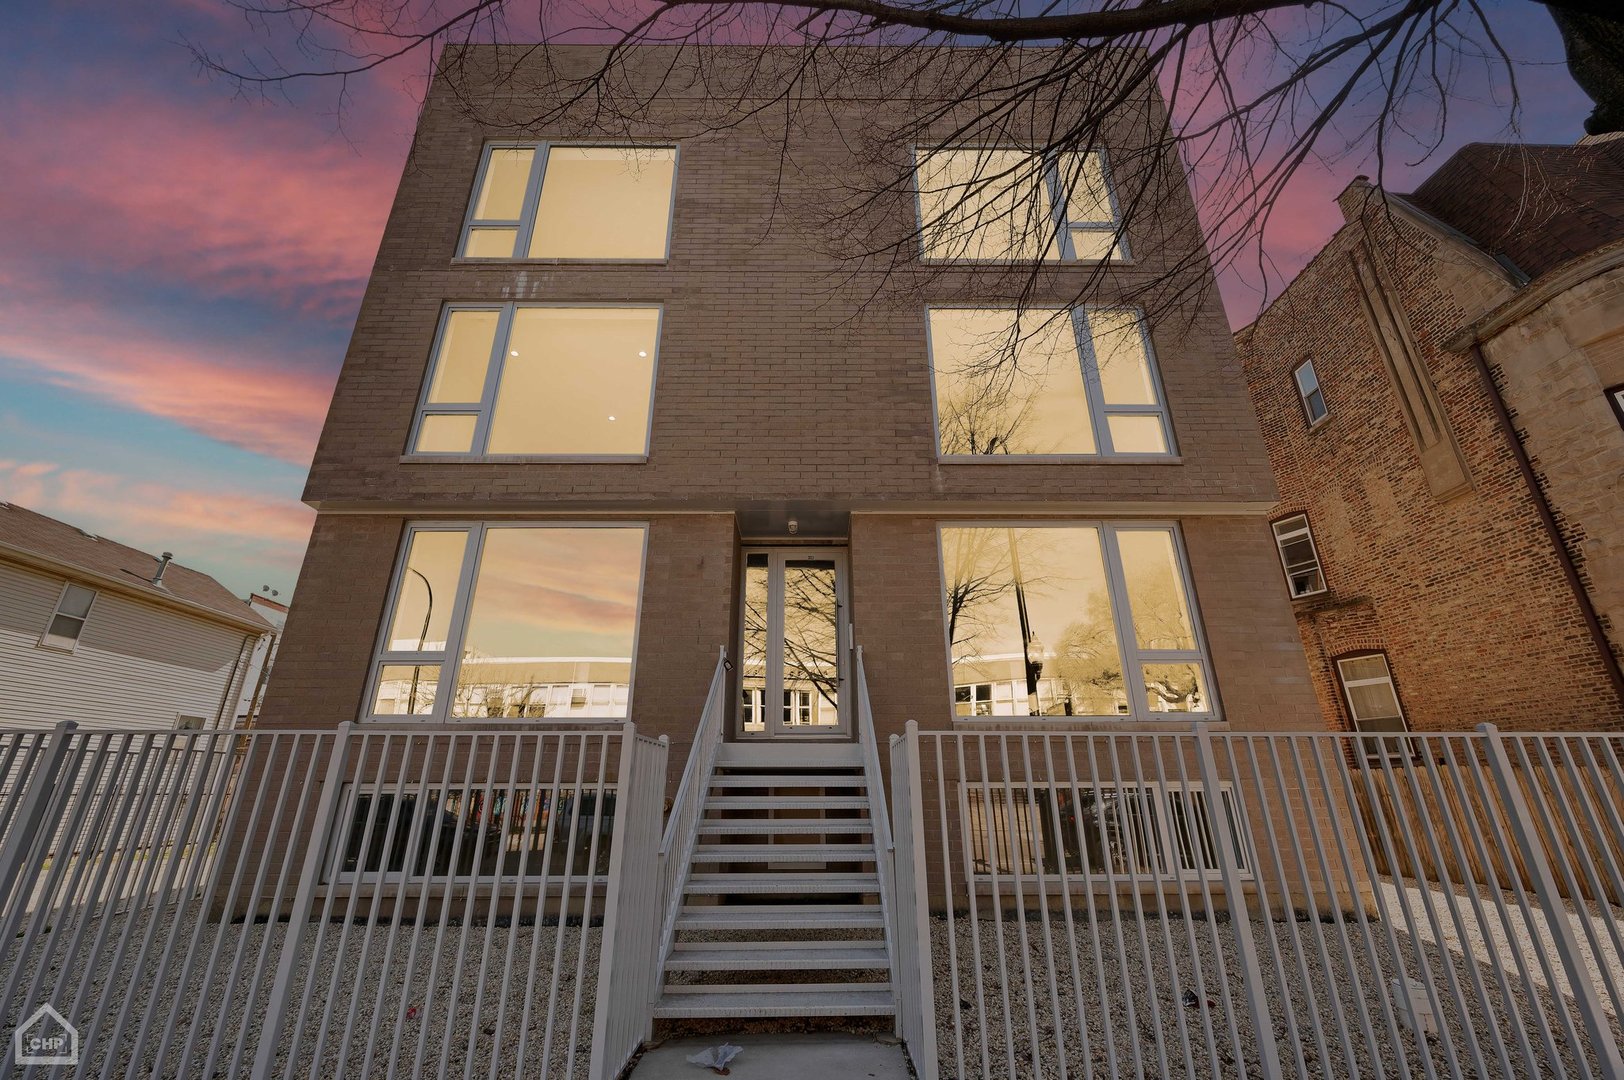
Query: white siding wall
136,664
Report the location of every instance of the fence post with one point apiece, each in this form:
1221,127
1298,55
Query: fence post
611,975
276,1013
30,820
1597,1025
923,1055
1257,1003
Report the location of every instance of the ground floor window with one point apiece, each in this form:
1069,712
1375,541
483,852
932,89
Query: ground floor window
511,621
1367,686
483,832
1086,620
1097,830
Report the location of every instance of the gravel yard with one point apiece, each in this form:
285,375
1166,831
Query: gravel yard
1163,978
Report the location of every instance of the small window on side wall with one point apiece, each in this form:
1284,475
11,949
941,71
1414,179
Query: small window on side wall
537,201
1308,389
1367,684
68,620
1298,556
1615,398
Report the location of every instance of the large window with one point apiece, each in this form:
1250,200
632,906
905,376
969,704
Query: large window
540,381
68,620
1045,382
995,204
1298,556
1132,830
518,622
1367,683
539,201
1072,620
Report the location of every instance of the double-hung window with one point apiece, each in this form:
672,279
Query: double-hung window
1367,683
1084,620
1308,389
997,204
540,381
68,620
545,201
1045,382
520,622
1298,556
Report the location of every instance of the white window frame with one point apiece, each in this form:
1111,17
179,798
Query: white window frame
1132,655
450,660
1167,853
1304,393
1282,539
484,409
525,224
1347,686
45,637
1057,195
1099,413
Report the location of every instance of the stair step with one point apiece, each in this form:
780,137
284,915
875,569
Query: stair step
826,780
707,853
782,917
783,826
799,755
719,884
772,956
787,802
783,999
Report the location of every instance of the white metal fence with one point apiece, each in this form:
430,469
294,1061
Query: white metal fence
1212,904
357,902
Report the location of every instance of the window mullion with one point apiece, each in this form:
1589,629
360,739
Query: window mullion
1092,387
493,377
532,197
458,623
1058,214
1122,617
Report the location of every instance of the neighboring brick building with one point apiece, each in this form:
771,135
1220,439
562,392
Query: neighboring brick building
1434,390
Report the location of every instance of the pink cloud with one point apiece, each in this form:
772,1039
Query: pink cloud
264,204
149,514
225,389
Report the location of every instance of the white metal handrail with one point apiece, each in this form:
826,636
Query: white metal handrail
682,824
885,848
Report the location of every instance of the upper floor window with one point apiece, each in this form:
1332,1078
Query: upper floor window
538,380
1299,556
1308,389
1044,383
68,620
1367,683
1072,620
511,621
542,201
993,204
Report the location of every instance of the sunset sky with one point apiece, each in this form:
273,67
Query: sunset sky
180,267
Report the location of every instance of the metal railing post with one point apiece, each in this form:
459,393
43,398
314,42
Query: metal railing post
1257,1002
611,974
25,829
1596,1018
924,1055
303,898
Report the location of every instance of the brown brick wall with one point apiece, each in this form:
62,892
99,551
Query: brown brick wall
773,391
1466,593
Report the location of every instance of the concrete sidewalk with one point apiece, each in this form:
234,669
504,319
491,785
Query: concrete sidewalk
781,1057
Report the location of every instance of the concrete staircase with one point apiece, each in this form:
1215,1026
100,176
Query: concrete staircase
781,915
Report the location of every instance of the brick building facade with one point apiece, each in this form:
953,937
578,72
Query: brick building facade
787,418
1434,391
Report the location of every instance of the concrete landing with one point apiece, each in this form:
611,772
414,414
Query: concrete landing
780,1057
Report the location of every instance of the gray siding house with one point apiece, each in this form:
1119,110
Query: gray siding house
97,632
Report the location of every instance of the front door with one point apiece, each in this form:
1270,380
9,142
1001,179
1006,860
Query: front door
793,656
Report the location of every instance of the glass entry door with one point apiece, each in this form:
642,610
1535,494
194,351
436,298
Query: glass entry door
794,652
